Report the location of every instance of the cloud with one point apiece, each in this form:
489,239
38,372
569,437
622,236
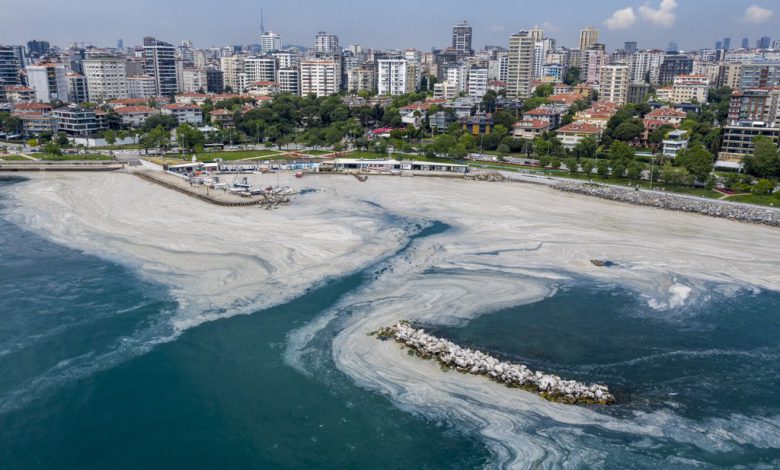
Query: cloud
621,19
550,27
663,16
496,28
757,15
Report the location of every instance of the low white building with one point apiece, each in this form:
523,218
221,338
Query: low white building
395,166
184,113
135,116
675,142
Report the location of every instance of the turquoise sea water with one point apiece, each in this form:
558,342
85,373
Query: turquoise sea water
88,380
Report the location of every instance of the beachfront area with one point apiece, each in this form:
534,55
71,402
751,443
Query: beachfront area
504,244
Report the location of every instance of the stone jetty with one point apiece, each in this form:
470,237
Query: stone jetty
450,355
714,208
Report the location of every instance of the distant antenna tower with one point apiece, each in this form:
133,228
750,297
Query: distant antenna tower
262,23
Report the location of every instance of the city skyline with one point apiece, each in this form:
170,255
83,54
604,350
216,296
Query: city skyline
652,24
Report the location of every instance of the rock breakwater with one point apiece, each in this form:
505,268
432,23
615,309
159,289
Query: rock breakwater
450,355
725,210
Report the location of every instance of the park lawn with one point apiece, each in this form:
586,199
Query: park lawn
64,158
236,155
14,158
758,200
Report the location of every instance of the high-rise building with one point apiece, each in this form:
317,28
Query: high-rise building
48,81
745,43
718,45
194,80
645,66
320,77
160,60
726,44
289,80
270,41
613,85
77,88
326,43
521,65
673,65
214,80
10,64
588,37
106,77
461,39
759,75
232,68
776,45
38,48
630,47
478,82
396,77
763,43
141,87
120,44
361,79
260,69
536,33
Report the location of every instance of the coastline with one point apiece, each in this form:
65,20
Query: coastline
508,245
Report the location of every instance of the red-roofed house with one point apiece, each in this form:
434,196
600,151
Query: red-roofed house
135,116
566,99
574,133
32,108
530,128
222,116
665,115
184,113
544,114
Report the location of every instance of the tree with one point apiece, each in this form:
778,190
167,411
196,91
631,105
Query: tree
572,76
544,90
52,148
503,150
620,151
628,131
110,137
62,139
571,165
189,138
602,168
765,161
544,161
634,171
555,163
658,135
618,169
586,148
587,167
764,187
697,160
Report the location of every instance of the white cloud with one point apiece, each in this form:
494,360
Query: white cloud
496,28
757,15
621,19
663,16
550,27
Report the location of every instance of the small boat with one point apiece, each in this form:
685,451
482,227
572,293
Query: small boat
602,263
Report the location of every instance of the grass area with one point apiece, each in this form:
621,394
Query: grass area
64,158
759,200
236,155
14,158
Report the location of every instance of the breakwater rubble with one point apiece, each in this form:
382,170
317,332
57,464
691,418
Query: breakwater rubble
450,355
725,210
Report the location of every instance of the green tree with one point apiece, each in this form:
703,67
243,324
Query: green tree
587,167
697,160
628,131
544,90
620,151
571,165
602,168
764,187
765,161
51,148
189,138
555,163
634,171
110,137
586,148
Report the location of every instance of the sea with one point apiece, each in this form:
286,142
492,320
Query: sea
92,377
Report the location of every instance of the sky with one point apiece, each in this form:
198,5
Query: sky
421,24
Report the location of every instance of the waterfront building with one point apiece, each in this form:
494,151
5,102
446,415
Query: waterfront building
520,65
74,120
